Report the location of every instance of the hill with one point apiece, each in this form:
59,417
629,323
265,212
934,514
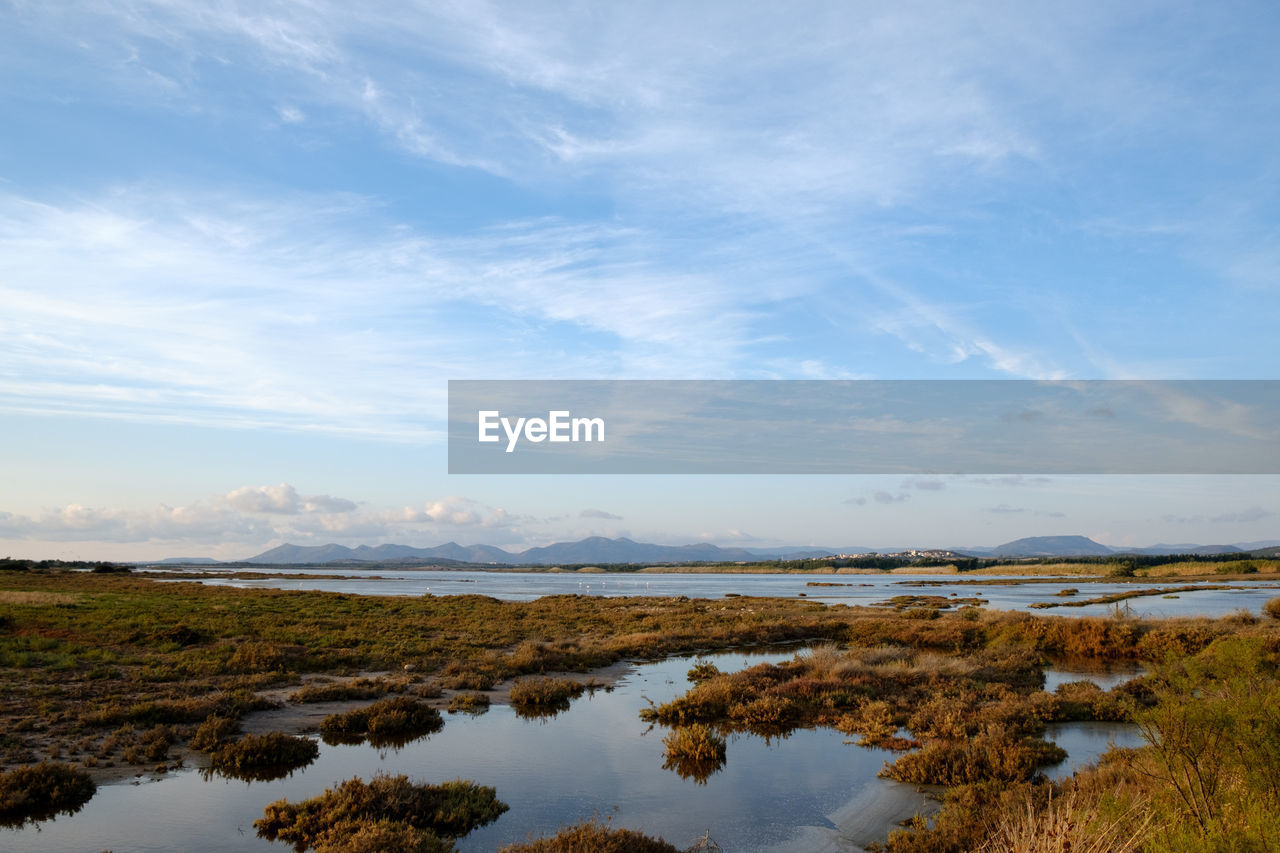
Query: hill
1052,546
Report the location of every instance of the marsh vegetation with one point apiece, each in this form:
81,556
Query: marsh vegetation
387,813
262,757
36,792
112,669
390,722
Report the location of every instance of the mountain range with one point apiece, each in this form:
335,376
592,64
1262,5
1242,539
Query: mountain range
594,549
598,549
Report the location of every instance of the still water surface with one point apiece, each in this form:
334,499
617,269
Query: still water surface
808,792
853,590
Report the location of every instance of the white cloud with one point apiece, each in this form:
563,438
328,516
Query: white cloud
261,514
76,523
283,499
453,511
601,514
291,315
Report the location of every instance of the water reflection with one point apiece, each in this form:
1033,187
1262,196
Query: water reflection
694,752
807,792
1106,674
262,773
1085,742
769,795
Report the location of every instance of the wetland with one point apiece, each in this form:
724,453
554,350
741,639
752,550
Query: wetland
201,713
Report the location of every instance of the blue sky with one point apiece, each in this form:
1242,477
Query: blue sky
244,246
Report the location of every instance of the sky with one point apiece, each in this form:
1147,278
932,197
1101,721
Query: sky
244,247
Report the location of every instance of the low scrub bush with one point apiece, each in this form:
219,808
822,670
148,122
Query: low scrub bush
1272,607
1067,824
694,752
263,757
361,688
1084,700
981,759
39,791
592,836
470,675
386,810
468,703
1177,640
151,746
547,692
391,722
874,720
770,713
265,657
704,670
212,732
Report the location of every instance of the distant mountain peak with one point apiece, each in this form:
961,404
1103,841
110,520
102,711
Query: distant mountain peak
601,550
1052,546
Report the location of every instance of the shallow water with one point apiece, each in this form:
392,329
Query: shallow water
808,792
854,590
1086,741
1104,673
598,758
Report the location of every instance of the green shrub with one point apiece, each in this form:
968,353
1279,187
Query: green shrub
1215,732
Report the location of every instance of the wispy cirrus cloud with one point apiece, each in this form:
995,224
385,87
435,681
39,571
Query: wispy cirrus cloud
251,313
856,112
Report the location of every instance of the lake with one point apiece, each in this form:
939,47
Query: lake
853,590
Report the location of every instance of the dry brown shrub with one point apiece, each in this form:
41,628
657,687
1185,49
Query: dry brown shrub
1068,825
591,836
